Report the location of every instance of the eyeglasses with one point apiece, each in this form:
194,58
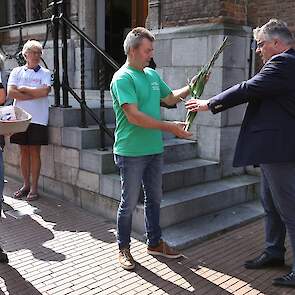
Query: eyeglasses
260,44
33,52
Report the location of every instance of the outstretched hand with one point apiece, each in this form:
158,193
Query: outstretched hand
197,105
177,128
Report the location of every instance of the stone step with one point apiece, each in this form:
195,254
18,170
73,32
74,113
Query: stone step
175,176
96,161
101,162
189,172
71,117
84,138
92,97
89,138
180,149
198,229
184,204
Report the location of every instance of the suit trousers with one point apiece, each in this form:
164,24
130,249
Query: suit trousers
278,199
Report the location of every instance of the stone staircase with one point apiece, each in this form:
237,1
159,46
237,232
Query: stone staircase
197,200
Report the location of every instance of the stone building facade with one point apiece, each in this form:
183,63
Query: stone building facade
187,33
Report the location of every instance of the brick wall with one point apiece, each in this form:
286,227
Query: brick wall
234,11
187,12
245,12
260,11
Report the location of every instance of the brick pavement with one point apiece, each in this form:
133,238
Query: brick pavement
58,249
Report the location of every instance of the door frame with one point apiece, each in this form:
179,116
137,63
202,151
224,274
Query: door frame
139,13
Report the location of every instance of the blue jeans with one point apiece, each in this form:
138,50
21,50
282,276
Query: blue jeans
1,179
278,198
145,171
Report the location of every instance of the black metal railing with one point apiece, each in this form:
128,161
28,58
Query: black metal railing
103,59
60,26
17,55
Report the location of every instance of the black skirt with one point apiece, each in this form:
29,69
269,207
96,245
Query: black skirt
36,134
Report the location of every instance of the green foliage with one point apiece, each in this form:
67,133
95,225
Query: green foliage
197,88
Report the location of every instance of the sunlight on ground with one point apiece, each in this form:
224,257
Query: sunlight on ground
65,251
229,283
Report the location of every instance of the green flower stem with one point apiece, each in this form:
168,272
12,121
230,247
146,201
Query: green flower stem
197,89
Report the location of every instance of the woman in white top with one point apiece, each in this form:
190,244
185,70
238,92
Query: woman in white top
30,85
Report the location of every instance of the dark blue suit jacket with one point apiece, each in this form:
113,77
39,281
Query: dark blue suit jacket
268,130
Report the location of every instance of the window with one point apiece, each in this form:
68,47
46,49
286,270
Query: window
27,10
20,11
3,13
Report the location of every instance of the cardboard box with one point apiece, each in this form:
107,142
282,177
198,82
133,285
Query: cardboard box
13,120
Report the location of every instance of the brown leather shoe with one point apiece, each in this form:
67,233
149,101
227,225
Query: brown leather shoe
163,250
125,259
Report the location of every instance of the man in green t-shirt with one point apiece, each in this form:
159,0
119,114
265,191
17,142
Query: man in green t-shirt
137,93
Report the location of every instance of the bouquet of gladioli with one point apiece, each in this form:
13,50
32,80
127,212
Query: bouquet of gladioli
197,88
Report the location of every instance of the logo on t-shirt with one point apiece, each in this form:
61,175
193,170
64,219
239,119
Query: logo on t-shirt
155,86
30,81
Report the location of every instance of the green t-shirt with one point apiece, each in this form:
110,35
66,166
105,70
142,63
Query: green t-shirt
145,89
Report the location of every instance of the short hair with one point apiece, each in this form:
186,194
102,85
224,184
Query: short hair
135,37
275,28
31,44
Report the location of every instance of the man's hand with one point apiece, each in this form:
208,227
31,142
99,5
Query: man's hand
179,94
193,80
177,128
197,105
138,118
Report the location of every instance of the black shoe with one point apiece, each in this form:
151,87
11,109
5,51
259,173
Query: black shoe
286,280
264,260
3,257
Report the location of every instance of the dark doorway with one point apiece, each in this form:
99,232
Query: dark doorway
118,24
120,17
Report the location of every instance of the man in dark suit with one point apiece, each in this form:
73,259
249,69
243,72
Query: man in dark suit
267,138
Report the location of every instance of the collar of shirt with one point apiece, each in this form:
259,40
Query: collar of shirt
36,69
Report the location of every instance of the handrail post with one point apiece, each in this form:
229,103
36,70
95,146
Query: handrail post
20,58
65,78
101,72
56,78
83,101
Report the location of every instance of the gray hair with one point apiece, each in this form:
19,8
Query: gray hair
275,29
135,37
30,44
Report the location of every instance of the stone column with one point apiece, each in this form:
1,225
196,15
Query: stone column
74,11
100,23
179,53
87,17
83,14
154,15
10,11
